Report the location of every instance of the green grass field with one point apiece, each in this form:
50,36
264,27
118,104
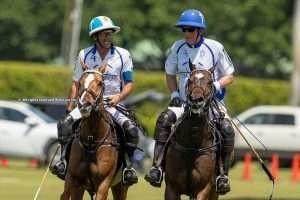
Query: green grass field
20,182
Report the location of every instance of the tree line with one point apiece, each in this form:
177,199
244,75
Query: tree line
256,33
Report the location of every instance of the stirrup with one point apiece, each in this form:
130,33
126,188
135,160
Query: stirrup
222,184
58,170
131,180
155,181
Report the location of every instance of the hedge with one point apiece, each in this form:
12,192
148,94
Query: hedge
27,80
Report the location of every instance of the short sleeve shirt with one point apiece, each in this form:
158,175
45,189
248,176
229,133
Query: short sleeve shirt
206,54
118,72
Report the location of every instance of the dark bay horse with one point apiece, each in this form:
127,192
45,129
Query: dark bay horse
94,154
190,163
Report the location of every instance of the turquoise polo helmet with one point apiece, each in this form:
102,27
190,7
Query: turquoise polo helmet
101,23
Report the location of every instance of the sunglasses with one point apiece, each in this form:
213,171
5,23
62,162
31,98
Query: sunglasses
190,30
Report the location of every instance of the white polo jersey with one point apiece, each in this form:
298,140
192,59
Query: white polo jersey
118,71
206,54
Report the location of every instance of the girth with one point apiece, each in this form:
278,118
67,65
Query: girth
210,149
91,146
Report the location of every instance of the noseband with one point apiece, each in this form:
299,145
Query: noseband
98,99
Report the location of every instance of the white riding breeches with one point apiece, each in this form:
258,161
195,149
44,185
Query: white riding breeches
180,110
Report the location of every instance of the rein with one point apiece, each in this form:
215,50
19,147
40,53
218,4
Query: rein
89,144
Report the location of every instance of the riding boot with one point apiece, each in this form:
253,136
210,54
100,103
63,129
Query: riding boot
64,132
222,181
155,174
132,139
129,173
60,167
162,131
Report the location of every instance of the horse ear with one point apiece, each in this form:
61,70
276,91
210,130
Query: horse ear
102,68
192,67
83,65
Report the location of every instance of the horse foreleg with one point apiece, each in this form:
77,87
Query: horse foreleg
205,193
67,189
213,194
72,190
103,188
171,194
119,191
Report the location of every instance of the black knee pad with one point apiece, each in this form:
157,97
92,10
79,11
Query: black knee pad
132,133
227,132
163,125
65,130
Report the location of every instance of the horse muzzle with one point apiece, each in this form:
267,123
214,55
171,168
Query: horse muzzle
86,111
196,105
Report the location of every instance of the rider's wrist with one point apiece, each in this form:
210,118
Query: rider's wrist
217,85
120,97
174,94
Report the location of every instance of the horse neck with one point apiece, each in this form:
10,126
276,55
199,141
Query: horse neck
96,125
201,122
195,131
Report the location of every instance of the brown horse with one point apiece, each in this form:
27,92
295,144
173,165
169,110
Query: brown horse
191,156
94,154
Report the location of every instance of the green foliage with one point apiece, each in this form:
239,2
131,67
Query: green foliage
256,33
30,30
25,80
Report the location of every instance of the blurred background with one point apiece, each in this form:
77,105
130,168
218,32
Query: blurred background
40,41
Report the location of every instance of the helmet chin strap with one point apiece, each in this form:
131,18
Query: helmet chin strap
198,37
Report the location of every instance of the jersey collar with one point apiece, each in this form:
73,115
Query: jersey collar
198,44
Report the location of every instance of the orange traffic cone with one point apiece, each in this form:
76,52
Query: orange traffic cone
275,166
4,162
295,176
247,171
33,163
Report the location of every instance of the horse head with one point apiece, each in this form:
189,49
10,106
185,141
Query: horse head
91,88
199,89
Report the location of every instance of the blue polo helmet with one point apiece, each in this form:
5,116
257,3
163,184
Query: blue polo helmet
192,18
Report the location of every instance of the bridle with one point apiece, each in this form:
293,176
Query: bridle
89,143
199,105
98,98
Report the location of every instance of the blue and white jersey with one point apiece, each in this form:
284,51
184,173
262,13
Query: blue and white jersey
206,54
118,71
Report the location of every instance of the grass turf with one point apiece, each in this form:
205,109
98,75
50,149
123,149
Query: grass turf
20,182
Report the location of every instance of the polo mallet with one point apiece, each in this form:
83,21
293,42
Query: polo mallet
262,163
46,173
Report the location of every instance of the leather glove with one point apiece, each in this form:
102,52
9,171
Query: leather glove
176,102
